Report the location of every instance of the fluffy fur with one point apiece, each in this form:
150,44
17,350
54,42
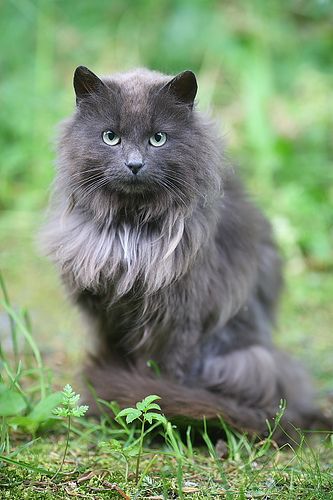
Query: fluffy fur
172,263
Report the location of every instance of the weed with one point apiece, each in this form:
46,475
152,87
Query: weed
69,408
143,412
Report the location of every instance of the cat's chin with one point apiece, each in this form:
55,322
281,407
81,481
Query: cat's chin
134,186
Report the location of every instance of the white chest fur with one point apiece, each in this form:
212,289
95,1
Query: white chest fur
120,252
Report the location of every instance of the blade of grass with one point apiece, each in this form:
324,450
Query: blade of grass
11,320
213,454
25,332
14,380
25,465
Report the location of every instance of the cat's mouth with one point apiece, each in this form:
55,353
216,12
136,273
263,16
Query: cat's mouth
133,184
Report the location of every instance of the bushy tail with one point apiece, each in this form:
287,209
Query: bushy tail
128,386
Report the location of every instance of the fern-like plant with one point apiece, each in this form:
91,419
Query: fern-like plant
69,408
144,413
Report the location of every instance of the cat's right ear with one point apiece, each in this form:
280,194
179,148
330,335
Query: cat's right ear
86,83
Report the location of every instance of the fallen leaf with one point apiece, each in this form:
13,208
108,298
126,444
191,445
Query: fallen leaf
190,489
89,475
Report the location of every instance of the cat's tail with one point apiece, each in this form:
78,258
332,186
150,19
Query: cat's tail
129,385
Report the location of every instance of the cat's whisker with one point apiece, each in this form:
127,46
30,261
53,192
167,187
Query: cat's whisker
169,188
77,182
175,178
94,187
95,169
165,183
175,192
82,186
178,177
176,188
98,185
84,182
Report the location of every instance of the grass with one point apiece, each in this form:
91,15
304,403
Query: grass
265,68
298,478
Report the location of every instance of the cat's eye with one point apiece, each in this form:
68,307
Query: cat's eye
158,139
110,138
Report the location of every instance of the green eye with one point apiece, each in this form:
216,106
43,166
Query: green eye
158,139
110,138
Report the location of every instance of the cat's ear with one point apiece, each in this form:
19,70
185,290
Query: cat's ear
184,86
86,83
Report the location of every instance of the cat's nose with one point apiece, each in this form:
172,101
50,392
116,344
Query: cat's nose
134,166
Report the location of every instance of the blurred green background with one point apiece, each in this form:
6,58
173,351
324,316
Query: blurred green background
265,70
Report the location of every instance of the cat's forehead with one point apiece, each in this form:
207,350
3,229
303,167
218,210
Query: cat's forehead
141,76
135,90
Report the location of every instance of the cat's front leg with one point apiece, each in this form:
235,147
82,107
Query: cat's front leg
177,334
181,355
185,313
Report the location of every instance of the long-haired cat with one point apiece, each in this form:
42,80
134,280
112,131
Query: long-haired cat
167,258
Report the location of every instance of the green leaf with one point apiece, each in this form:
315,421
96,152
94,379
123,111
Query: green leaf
79,411
73,400
114,445
25,465
68,391
24,423
132,450
69,407
148,400
133,416
155,416
126,411
154,406
140,406
11,402
44,408
62,412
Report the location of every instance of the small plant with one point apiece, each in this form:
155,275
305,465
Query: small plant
142,412
69,408
119,449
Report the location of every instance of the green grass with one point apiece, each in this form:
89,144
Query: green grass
286,478
265,69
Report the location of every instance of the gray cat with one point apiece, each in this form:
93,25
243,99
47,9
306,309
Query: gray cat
167,258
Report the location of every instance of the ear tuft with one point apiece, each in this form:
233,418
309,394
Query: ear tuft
184,86
85,83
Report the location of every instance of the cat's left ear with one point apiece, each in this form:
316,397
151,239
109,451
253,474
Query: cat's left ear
184,87
86,83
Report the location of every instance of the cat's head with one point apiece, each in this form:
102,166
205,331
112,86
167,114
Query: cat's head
137,137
